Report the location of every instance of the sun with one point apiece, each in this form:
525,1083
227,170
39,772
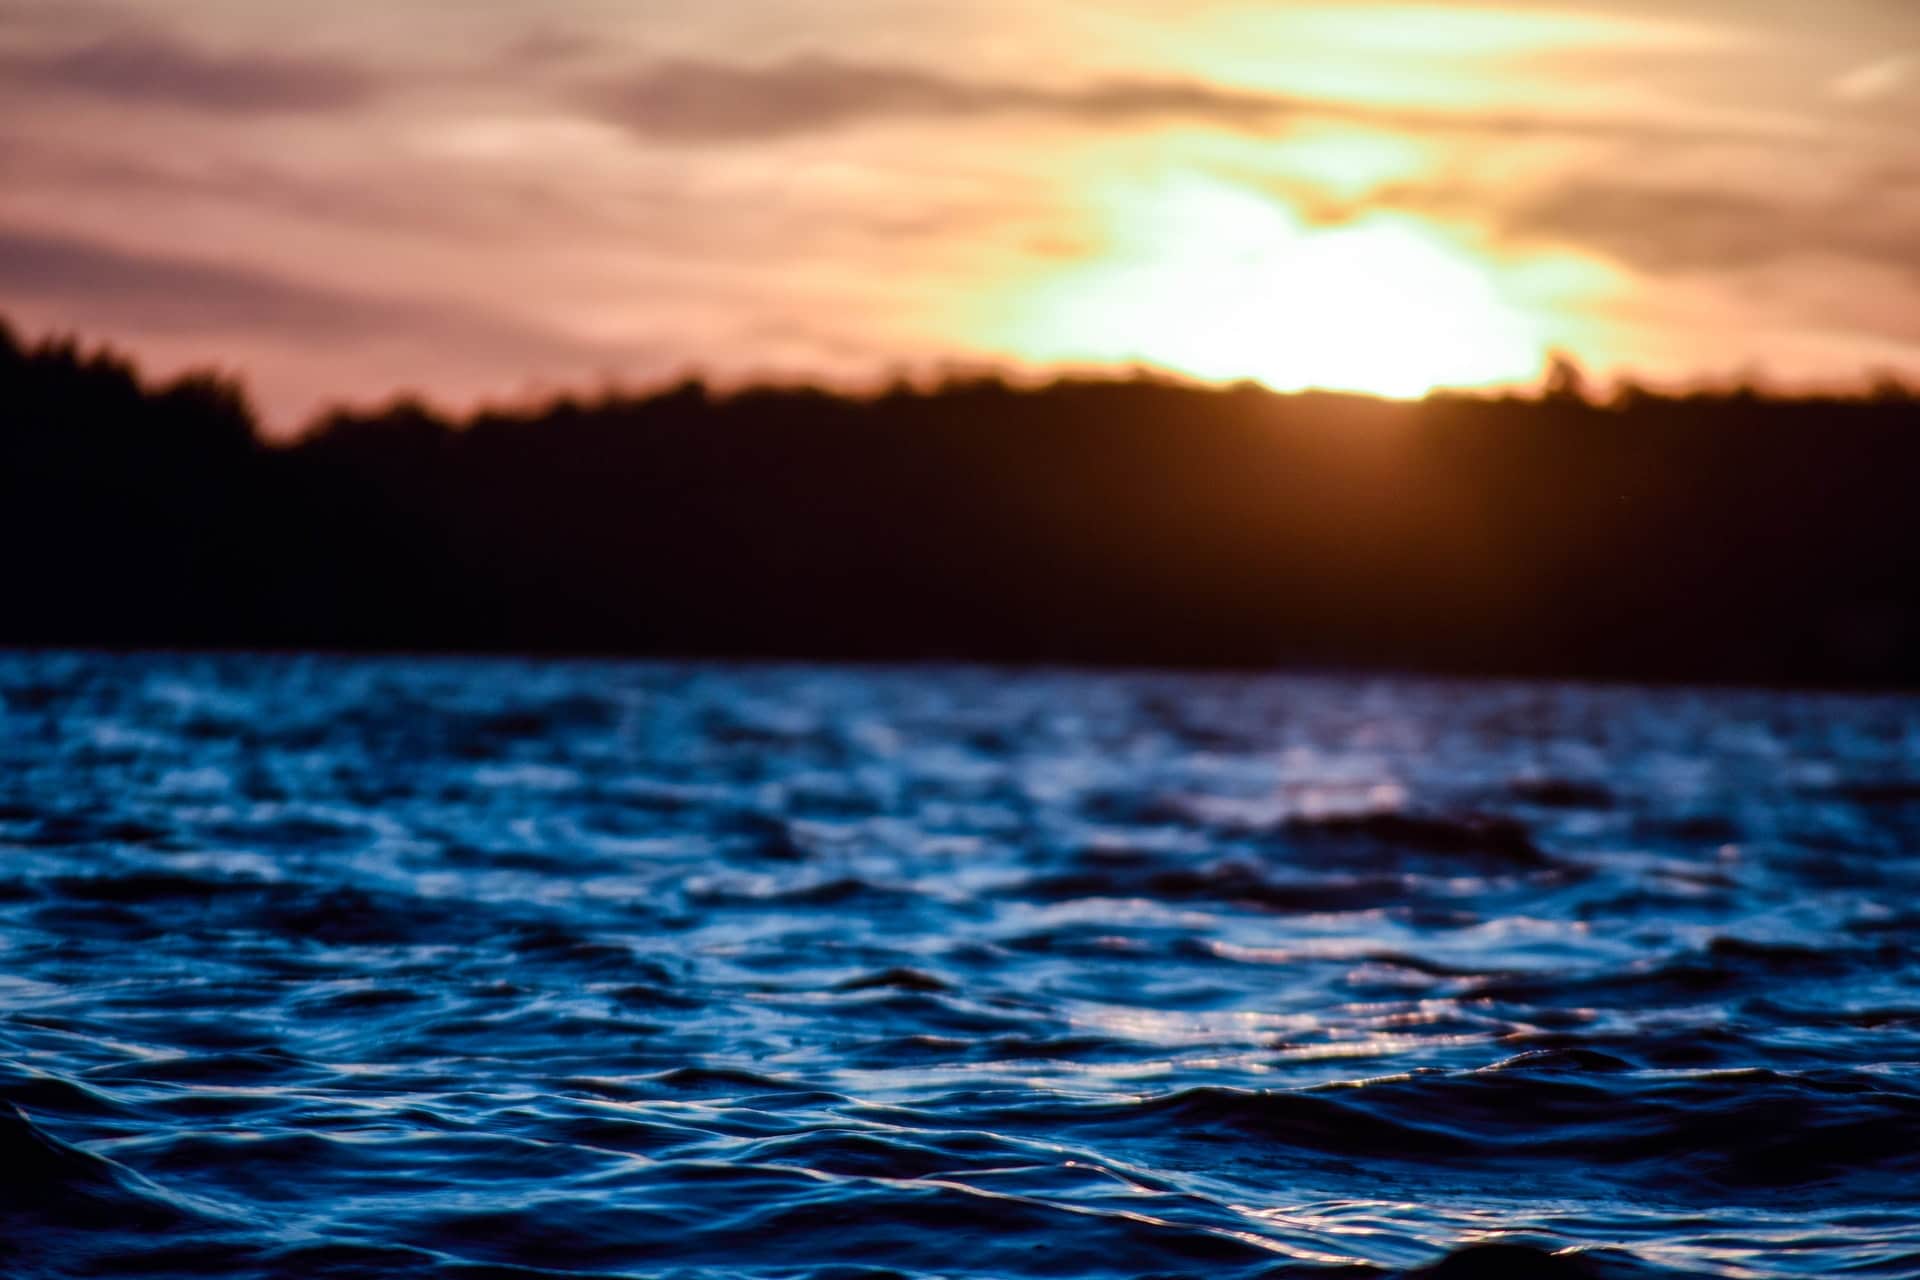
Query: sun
1217,281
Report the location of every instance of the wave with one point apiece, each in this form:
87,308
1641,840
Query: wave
404,968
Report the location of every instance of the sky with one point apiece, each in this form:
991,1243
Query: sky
498,200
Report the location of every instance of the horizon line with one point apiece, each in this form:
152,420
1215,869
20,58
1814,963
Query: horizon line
1563,376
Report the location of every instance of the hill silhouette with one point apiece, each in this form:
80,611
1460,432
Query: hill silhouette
1725,536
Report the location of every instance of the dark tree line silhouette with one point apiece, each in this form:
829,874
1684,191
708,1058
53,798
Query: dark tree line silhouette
1723,536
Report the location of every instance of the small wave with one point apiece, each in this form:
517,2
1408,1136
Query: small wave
49,1183
901,979
448,969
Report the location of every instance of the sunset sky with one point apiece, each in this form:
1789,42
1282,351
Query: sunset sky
498,198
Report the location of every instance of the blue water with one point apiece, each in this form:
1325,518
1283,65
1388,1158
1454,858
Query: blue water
398,968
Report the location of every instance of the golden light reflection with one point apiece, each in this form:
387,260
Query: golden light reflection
1217,281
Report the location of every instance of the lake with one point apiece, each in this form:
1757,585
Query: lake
333,967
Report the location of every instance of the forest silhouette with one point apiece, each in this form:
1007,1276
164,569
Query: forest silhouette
1721,535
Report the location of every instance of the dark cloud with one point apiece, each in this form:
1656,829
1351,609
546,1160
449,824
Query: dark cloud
1654,227
1677,229
694,101
142,291
116,289
152,68
690,101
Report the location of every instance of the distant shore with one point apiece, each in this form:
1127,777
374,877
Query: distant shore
1728,536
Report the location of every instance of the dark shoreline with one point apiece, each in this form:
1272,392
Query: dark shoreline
1724,538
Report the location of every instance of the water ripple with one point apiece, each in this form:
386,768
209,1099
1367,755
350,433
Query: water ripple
410,968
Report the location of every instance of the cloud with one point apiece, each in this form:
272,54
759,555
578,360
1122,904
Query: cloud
1657,227
156,69
93,173
690,101
546,44
145,291
125,289
1678,229
53,15
1881,79
693,101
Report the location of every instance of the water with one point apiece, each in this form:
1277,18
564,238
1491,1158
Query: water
402,968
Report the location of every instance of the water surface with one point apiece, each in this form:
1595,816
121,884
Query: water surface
410,968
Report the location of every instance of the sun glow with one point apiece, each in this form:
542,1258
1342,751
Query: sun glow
1221,282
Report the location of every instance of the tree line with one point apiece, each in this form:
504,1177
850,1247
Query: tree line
1711,535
